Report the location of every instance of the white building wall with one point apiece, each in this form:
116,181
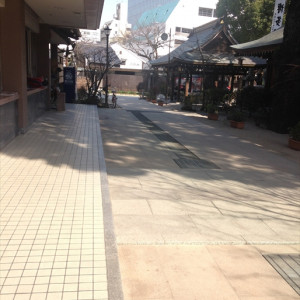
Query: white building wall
186,13
186,16
132,61
119,24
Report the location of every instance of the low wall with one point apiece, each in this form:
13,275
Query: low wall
9,129
37,104
125,82
119,80
8,122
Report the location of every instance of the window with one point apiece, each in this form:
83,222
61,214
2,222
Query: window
31,53
205,12
183,30
186,30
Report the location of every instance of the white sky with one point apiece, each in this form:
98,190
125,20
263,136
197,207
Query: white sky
109,10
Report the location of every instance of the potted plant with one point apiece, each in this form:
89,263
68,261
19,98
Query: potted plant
160,99
237,119
294,137
212,112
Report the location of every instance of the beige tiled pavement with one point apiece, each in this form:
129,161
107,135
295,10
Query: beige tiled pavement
52,229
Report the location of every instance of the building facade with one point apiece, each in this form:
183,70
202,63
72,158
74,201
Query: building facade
137,7
198,8
118,25
177,19
29,56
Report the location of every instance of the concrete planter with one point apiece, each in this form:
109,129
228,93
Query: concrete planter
293,144
236,124
213,116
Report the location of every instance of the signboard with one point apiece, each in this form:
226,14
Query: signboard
70,84
278,15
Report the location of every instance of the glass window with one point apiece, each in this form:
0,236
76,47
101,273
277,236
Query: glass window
186,30
205,12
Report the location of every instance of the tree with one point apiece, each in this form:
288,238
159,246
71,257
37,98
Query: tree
92,57
247,19
286,90
145,40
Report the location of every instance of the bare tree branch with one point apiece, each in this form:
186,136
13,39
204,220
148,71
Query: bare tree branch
145,40
92,57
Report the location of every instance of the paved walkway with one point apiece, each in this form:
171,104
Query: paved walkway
199,207
53,196
175,238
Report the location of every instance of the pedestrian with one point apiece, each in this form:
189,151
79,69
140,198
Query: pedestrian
114,100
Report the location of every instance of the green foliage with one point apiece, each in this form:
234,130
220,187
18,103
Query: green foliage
190,100
152,94
295,132
236,115
253,99
248,20
215,95
82,95
128,92
212,108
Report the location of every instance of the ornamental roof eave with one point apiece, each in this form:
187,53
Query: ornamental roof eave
262,46
221,59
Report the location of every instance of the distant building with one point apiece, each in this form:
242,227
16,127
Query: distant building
90,35
178,17
188,14
137,7
118,25
129,60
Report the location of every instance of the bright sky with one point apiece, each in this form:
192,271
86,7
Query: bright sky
109,10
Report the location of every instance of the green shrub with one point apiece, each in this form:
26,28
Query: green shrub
295,132
237,116
212,109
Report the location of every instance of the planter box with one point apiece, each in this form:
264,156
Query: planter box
153,101
294,144
235,124
213,116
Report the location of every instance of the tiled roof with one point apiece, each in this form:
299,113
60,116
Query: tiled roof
189,52
266,43
198,38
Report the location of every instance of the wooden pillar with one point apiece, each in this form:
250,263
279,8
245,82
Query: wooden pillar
179,84
13,52
191,82
232,83
187,85
172,85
